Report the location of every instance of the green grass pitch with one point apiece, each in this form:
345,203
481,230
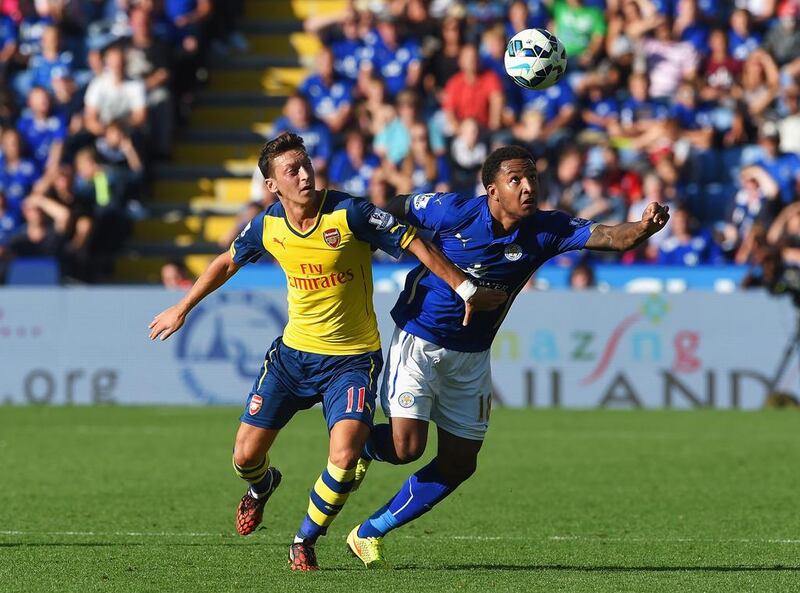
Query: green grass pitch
142,499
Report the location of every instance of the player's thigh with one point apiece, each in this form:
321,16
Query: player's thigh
409,380
271,404
464,394
351,391
252,444
410,437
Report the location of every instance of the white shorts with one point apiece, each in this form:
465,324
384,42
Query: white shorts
426,382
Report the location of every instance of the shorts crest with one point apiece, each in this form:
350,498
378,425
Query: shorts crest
255,404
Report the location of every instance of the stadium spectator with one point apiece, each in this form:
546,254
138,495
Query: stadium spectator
8,45
149,59
36,237
581,276
18,174
421,171
393,139
559,184
43,65
442,64
473,93
43,132
741,36
689,26
784,234
721,71
396,60
593,200
297,119
782,41
558,108
468,150
687,246
757,202
330,97
581,29
112,97
115,147
493,49
343,38
669,61
760,82
789,124
351,168
784,168
9,221
175,276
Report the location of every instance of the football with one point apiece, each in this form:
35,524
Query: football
535,59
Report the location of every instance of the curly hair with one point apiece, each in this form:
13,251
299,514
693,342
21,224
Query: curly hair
493,162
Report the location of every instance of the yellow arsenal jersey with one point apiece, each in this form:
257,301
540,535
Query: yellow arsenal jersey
328,270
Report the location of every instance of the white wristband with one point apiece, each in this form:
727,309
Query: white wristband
466,289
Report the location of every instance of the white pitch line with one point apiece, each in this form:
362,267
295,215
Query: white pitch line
555,538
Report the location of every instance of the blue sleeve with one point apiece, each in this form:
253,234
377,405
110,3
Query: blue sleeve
248,247
430,210
378,228
565,233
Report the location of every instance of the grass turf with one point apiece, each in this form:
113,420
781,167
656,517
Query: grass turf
142,499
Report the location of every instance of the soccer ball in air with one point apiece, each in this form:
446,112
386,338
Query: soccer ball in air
535,59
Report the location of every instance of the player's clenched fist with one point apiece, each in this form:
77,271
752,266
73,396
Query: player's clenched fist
655,216
167,322
484,299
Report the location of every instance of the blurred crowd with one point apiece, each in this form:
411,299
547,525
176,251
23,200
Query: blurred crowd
691,103
90,93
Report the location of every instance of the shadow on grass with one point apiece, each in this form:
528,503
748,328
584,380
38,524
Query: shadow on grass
590,568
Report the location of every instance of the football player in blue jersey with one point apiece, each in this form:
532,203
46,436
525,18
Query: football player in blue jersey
438,369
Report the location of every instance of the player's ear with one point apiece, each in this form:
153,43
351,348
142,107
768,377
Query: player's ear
491,191
272,186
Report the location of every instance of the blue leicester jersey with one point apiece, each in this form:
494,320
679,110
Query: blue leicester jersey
429,309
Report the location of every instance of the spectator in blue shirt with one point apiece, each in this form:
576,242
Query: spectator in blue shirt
520,17
690,27
9,220
421,171
8,44
638,111
687,247
783,167
396,61
42,132
601,112
330,98
742,39
297,119
351,168
42,66
18,174
348,49
557,106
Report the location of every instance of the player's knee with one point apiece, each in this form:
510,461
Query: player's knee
245,455
345,458
409,450
456,471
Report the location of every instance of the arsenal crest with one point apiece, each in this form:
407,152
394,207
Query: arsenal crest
255,404
332,237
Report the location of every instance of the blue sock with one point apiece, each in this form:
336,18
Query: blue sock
419,494
379,445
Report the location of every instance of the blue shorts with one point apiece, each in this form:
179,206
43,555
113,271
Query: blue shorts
292,380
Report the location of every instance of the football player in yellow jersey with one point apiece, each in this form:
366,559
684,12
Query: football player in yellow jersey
330,351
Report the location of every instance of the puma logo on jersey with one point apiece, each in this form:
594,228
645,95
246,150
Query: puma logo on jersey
463,239
279,242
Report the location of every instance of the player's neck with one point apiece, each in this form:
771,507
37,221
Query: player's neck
502,223
303,214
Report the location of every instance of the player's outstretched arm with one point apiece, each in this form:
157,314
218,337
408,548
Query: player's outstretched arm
628,235
476,298
215,275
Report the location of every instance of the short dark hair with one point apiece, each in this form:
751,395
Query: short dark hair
505,153
277,146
